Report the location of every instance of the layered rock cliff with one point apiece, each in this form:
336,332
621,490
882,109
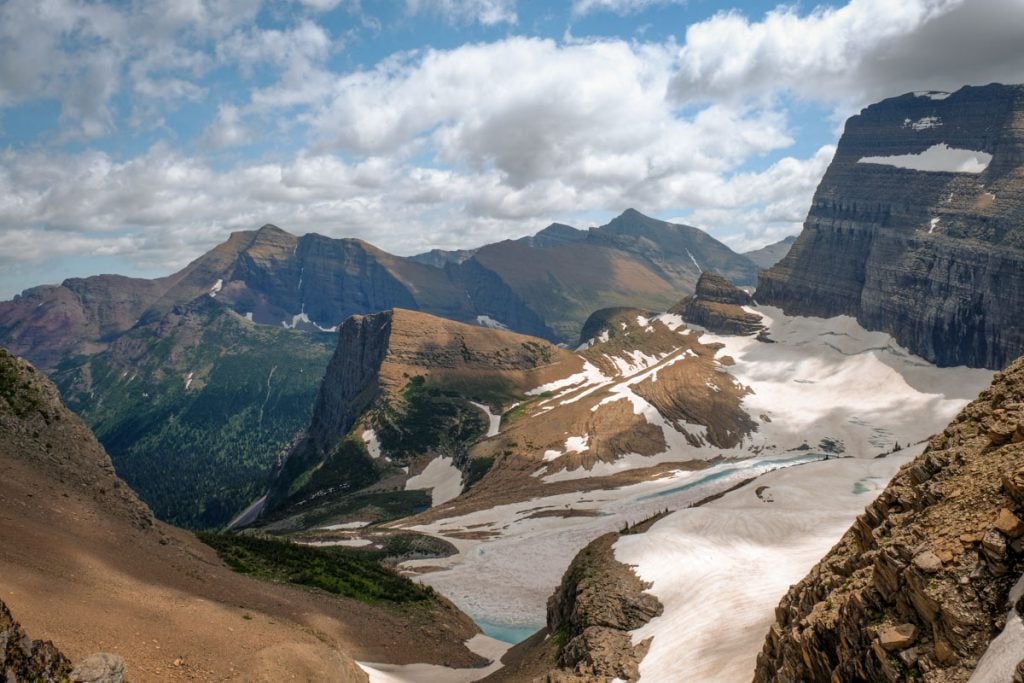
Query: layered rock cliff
920,586
717,305
915,228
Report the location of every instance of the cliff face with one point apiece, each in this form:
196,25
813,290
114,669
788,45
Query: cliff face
920,586
915,228
408,378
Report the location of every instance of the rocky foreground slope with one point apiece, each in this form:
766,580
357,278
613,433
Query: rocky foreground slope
922,584
84,564
915,229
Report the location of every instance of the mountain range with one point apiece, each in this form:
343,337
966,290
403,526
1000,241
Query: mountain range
197,383
577,456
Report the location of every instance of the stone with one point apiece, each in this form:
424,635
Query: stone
99,668
928,562
1009,524
900,637
1013,484
944,653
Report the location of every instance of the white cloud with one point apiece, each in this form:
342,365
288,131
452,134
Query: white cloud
589,114
852,55
486,12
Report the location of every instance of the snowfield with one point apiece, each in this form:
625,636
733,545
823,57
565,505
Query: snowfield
443,479
822,379
493,421
742,554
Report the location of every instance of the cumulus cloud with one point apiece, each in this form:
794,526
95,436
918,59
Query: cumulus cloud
852,55
588,114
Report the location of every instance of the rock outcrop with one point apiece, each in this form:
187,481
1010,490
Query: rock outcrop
717,305
24,659
920,586
590,616
934,257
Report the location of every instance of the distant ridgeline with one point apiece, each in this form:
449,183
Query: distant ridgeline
917,228
197,383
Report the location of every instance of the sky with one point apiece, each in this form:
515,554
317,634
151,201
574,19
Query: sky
135,135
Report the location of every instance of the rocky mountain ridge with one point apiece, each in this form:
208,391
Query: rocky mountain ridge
404,389
915,228
544,285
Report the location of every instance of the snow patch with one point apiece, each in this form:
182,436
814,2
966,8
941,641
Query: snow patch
217,286
775,543
590,374
488,321
938,158
923,123
248,316
443,479
343,542
690,254
372,443
494,421
344,526
932,224
485,646
1004,652
932,94
188,381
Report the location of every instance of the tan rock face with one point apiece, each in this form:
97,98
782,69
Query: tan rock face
919,586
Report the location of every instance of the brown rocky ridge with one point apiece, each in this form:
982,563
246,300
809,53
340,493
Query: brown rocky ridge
935,258
85,566
409,378
769,255
919,587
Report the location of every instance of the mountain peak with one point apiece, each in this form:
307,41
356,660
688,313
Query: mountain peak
270,228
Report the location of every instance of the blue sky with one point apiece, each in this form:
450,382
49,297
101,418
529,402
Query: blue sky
136,135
